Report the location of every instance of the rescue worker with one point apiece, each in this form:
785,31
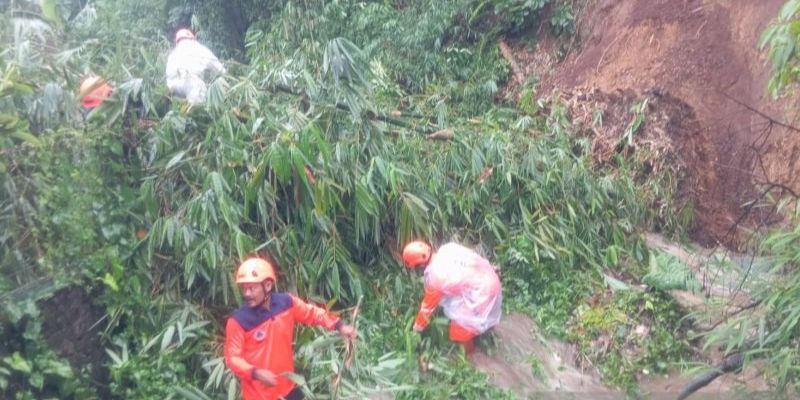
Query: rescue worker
186,65
259,336
93,91
464,283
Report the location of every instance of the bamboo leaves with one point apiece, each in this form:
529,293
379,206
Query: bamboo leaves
782,38
343,61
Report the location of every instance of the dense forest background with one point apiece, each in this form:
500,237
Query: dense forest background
341,130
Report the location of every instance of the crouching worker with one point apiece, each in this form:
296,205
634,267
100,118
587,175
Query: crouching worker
187,64
464,283
259,336
93,91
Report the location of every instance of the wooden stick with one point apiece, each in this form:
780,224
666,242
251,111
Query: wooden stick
519,76
350,349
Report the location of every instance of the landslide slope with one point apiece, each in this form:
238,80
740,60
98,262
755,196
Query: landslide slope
704,53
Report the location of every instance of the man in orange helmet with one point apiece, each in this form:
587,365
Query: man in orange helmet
464,283
187,64
259,336
93,91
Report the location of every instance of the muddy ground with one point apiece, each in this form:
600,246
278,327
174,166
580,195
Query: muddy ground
710,120
71,324
698,64
703,53
534,367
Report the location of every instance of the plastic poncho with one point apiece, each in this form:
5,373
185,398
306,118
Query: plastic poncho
466,286
186,64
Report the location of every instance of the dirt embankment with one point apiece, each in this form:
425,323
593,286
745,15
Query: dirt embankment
703,52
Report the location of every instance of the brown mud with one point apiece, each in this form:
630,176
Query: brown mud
705,54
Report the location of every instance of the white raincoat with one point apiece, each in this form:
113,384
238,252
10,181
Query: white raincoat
470,289
186,64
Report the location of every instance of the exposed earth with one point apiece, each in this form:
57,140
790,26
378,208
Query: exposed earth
534,367
697,67
697,64
704,53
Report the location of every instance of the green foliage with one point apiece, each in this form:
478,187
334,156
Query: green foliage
436,49
638,110
563,20
545,289
174,349
518,15
668,273
782,37
29,369
13,128
771,330
294,155
222,24
630,334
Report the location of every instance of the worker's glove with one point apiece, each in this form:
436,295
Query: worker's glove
265,376
347,331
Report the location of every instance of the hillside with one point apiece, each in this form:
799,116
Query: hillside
607,158
703,53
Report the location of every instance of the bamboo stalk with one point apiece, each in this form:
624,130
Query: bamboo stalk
350,350
519,76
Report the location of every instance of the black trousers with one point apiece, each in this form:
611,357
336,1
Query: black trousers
295,394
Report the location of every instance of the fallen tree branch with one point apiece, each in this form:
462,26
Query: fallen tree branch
750,306
380,116
761,114
731,363
444,135
505,51
350,350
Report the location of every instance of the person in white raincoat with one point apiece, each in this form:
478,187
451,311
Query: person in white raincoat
186,65
464,283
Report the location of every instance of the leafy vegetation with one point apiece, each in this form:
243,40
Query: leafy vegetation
630,334
668,273
28,365
782,38
314,151
768,329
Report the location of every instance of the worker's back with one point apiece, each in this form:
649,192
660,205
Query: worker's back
472,291
186,65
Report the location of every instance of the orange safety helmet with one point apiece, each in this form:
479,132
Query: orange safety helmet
93,91
255,270
183,34
417,253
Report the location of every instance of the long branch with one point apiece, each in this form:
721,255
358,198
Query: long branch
761,113
731,363
383,117
506,52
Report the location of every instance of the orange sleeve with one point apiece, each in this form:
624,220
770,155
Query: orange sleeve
426,310
310,314
234,341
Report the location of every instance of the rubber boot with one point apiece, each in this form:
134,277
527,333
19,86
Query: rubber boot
469,346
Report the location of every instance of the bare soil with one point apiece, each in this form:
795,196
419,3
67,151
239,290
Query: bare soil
663,141
522,360
71,326
710,120
704,53
531,366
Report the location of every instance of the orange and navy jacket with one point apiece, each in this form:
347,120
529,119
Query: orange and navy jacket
262,338
430,301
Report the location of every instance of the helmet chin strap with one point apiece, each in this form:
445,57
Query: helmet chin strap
267,295
425,263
